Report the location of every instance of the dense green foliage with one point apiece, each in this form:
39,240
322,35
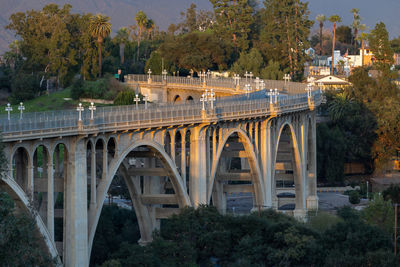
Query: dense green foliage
105,88
203,237
20,241
115,227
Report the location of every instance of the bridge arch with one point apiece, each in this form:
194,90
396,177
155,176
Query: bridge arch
287,130
104,185
256,175
189,99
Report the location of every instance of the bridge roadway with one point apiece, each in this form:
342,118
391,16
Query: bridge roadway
169,155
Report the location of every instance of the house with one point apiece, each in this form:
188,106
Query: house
331,82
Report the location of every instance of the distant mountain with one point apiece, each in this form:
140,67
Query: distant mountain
165,12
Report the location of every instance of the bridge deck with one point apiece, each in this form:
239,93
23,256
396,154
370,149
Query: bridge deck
116,118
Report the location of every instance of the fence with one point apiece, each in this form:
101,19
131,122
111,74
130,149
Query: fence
283,86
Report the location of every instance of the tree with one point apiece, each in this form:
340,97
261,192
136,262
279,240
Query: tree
122,38
234,18
321,19
19,237
379,44
150,27
100,28
356,26
141,22
197,51
344,35
362,37
380,213
395,44
334,19
284,35
46,40
251,62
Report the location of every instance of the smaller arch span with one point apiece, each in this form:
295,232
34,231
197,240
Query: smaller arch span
254,166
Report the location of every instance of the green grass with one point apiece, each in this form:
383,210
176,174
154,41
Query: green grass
54,101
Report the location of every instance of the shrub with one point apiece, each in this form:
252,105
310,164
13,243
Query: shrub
77,89
24,87
125,98
354,197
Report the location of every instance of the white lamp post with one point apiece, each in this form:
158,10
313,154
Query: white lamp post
246,75
208,74
257,83
251,75
9,109
137,99
276,95
146,98
211,98
262,85
21,109
203,99
149,72
286,77
236,78
92,108
80,109
309,90
270,94
164,73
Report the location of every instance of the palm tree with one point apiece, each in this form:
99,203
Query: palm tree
339,105
362,37
321,19
150,27
356,25
99,28
141,21
122,38
334,19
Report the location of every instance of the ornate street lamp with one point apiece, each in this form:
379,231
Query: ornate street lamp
149,72
21,109
92,108
9,109
203,99
211,98
137,99
164,73
80,109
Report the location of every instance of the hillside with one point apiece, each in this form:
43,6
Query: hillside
165,12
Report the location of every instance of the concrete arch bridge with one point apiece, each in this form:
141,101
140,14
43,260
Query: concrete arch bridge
170,156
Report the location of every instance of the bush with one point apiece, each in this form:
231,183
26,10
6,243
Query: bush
24,87
354,197
125,98
77,89
105,88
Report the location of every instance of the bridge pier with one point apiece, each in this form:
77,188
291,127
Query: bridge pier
198,167
76,220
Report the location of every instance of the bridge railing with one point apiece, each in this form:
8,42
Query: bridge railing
283,86
67,120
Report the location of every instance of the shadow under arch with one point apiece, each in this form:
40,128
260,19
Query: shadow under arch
297,175
176,180
22,203
254,166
